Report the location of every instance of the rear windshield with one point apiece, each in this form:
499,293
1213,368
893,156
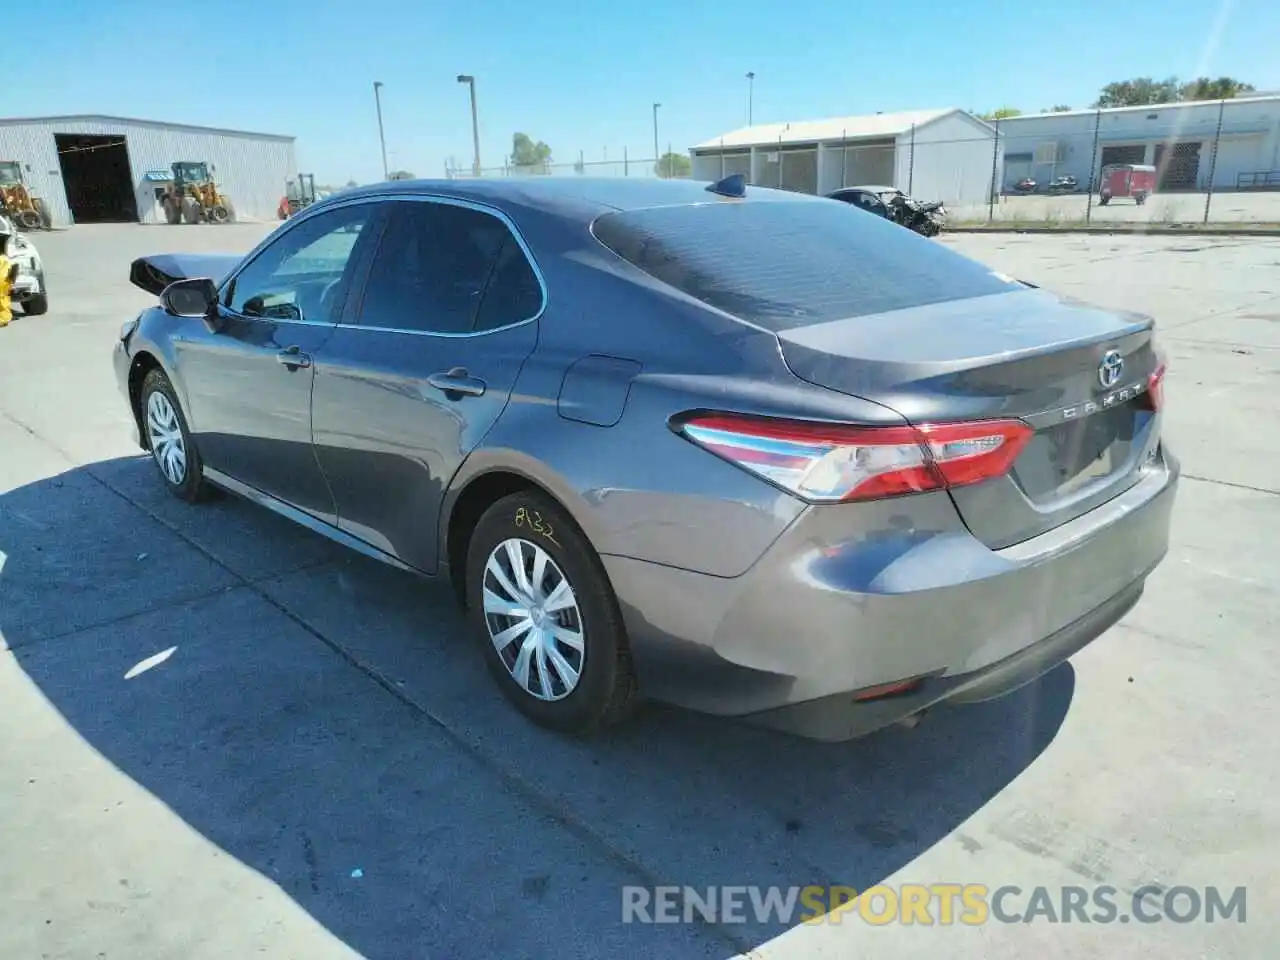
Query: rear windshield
783,264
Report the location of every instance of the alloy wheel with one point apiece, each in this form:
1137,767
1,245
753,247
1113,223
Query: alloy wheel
533,619
165,433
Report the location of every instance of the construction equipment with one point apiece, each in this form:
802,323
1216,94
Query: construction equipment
16,201
298,194
193,197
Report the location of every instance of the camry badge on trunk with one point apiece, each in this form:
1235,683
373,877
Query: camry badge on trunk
1110,369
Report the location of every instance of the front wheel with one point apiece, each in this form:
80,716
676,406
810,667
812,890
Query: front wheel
546,618
169,438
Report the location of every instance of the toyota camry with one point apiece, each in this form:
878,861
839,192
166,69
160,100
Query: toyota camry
726,447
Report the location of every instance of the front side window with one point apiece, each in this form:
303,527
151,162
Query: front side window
304,275
447,268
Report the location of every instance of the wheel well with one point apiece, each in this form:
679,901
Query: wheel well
142,364
476,498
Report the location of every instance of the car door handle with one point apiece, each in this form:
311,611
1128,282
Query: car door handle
293,357
457,383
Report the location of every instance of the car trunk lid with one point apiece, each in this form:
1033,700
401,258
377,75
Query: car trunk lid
1077,374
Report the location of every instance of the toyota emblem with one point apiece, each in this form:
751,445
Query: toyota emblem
1111,368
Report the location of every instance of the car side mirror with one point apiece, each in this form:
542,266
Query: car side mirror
197,297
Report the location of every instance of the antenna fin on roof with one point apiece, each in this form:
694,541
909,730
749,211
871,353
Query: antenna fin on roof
734,185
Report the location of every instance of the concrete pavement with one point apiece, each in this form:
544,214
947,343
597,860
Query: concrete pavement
222,736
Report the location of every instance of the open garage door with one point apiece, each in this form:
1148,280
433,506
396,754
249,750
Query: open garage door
1131,153
97,178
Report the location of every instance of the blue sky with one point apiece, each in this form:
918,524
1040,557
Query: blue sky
584,75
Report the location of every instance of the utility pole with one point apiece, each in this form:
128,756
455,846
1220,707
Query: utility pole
656,156
470,81
377,99
751,84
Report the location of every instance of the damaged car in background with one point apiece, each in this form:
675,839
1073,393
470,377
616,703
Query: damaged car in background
727,447
925,217
29,290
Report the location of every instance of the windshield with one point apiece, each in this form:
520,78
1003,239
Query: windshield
788,263
192,172
10,172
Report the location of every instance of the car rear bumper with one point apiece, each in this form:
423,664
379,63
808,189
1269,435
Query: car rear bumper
854,597
26,286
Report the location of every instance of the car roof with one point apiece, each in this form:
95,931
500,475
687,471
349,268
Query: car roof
577,197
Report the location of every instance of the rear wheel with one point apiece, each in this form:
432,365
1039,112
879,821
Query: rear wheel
1104,199
28,219
191,211
172,212
546,617
42,213
169,439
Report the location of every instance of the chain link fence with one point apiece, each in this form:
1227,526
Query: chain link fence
1091,168
1214,164
641,164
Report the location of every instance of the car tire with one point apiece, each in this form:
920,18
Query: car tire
604,691
186,482
37,305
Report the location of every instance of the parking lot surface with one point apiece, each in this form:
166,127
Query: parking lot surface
220,736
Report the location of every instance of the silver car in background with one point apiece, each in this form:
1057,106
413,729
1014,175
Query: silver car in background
722,446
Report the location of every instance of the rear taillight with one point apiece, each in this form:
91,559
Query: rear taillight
825,463
1155,387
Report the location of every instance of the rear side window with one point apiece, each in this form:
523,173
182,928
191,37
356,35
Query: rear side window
431,269
784,264
513,293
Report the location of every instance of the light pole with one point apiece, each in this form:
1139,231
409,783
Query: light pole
470,81
751,84
377,99
657,158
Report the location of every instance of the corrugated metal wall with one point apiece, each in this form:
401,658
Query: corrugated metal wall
251,169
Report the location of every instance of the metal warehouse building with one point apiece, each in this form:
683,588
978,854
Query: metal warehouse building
93,169
1176,138
936,154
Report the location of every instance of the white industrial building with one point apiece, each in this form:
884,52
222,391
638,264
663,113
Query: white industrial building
944,155
111,169
1176,138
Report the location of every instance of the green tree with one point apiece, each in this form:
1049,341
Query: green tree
1057,108
1224,88
1138,92
401,175
1000,113
673,165
530,155
1141,91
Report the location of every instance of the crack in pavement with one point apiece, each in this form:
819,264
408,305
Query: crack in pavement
1231,483
167,605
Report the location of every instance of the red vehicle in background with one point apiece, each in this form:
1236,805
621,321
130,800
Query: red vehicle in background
1127,180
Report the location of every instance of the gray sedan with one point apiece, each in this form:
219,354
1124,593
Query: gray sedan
717,445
